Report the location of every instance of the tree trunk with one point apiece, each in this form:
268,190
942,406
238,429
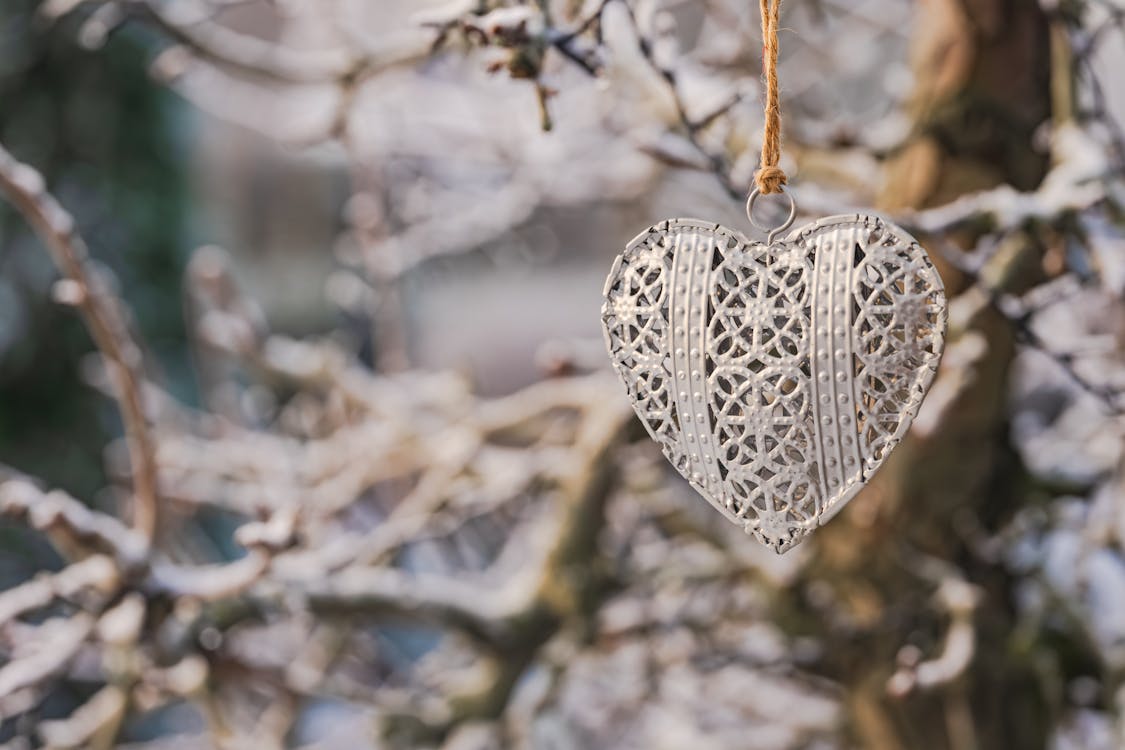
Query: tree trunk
983,87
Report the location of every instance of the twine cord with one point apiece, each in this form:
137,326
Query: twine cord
770,177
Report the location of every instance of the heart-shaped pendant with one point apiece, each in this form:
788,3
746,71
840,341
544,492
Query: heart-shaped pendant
776,376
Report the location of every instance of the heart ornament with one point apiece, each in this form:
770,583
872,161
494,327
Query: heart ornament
776,376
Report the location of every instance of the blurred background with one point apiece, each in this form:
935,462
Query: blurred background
308,437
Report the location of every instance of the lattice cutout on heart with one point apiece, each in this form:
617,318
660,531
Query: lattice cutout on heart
776,378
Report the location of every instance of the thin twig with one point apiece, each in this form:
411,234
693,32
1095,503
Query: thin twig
104,317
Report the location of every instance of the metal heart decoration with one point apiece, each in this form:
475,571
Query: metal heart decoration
778,376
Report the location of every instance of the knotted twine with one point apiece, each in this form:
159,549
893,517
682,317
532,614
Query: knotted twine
770,177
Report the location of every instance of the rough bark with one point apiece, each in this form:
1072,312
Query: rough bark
982,90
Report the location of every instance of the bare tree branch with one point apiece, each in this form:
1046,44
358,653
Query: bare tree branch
106,321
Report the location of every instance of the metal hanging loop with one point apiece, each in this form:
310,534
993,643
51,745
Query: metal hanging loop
771,232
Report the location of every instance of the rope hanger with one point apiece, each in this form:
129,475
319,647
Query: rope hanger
770,177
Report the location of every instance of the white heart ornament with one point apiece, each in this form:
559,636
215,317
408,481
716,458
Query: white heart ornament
777,376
